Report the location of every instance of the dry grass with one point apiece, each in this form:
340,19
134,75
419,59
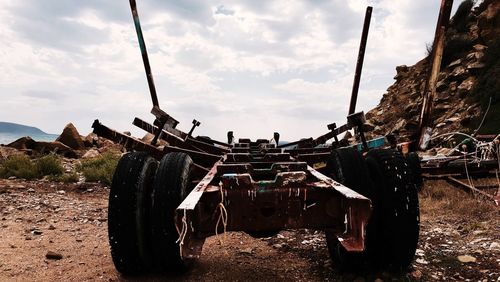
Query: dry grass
438,199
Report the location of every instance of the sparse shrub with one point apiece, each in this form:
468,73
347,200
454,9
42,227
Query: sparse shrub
49,165
100,168
455,48
459,20
484,4
19,166
65,178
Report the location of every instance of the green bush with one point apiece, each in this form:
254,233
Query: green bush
49,165
100,168
66,177
459,20
19,166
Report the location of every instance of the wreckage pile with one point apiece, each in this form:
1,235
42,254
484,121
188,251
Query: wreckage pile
470,56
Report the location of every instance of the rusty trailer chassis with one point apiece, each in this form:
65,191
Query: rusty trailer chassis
260,189
176,190
265,190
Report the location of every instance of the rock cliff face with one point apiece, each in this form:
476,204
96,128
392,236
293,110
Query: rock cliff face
457,105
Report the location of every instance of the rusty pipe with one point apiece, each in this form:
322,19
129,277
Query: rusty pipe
361,57
144,53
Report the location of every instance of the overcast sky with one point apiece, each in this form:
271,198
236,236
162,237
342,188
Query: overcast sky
254,67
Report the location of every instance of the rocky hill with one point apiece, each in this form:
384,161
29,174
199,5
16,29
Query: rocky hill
9,127
468,81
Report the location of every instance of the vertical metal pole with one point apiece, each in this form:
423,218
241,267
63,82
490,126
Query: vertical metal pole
361,57
424,129
144,53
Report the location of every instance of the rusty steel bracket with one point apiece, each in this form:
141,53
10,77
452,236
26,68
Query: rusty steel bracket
357,120
195,124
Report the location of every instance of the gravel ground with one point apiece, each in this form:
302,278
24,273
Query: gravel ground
53,231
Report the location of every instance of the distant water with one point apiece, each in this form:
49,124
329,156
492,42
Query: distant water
6,138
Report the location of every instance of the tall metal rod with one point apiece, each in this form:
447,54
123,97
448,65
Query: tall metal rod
424,128
361,57
144,52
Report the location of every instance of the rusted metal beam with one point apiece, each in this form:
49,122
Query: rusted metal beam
473,190
424,128
359,63
173,140
126,141
205,159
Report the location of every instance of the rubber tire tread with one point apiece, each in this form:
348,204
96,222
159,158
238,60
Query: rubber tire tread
128,208
347,166
416,170
171,185
396,214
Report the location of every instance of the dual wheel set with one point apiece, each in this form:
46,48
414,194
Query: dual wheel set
145,194
143,198
391,181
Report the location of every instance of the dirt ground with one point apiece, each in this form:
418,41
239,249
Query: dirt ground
70,220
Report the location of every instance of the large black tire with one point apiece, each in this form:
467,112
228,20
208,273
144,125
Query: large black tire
347,166
415,169
128,213
395,218
172,183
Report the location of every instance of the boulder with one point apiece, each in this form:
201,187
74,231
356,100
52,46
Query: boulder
92,153
459,73
71,138
55,147
23,143
91,139
467,84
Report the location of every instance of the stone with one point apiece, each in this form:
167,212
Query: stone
90,140
399,125
494,246
421,261
452,119
455,63
54,147
92,153
474,68
71,138
467,84
466,259
475,56
441,86
402,68
417,274
23,143
459,73
479,47
53,255
367,126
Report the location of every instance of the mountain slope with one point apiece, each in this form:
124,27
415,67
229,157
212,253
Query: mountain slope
468,81
14,128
